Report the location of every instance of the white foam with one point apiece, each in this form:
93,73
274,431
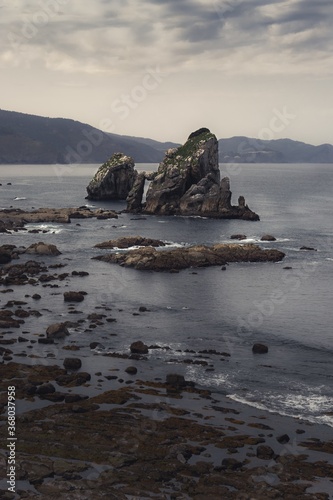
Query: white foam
18,198
50,228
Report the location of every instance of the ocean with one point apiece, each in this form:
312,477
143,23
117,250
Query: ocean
289,310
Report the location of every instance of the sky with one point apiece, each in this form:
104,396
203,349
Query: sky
164,68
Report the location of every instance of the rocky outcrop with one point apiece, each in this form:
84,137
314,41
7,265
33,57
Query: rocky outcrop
42,248
198,256
188,183
134,198
113,180
131,241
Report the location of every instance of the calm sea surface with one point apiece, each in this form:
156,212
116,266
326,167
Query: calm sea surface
291,311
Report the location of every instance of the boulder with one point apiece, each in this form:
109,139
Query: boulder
188,182
139,348
265,452
73,296
260,349
131,241
45,389
57,331
5,257
175,380
43,249
238,237
113,180
72,363
267,237
131,370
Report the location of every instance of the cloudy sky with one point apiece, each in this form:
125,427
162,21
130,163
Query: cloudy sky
162,68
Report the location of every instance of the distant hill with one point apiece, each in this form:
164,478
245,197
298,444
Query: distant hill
30,139
247,150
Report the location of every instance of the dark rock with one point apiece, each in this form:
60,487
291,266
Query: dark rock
131,370
259,349
45,340
74,398
231,464
113,180
93,345
134,198
45,389
238,237
131,241
188,182
310,249
5,257
36,296
143,309
139,348
57,331
43,249
267,237
284,439
72,363
175,380
265,452
80,273
74,379
73,296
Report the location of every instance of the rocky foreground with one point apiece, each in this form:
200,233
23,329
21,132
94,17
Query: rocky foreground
153,439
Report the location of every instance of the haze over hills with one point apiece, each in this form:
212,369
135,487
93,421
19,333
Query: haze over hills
30,139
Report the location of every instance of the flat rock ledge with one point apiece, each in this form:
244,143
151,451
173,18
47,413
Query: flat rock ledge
11,219
150,259
131,241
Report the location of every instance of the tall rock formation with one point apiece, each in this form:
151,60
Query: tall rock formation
113,180
188,183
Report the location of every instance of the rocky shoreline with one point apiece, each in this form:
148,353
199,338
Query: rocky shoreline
114,430
154,439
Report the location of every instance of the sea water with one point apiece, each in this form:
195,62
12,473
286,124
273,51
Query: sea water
290,310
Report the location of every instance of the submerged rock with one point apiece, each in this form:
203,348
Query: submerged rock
188,183
113,180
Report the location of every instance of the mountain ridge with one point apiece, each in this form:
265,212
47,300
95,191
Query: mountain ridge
33,139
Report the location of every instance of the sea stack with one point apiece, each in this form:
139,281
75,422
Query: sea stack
113,180
188,183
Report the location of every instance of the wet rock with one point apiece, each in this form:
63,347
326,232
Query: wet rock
72,363
134,198
131,241
73,380
73,297
175,380
309,249
57,331
74,398
43,249
259,349
284,439
45,389
36,296
238,237
139,348
113,180
231,464
131,370
267,237
265,452
5,257
80,273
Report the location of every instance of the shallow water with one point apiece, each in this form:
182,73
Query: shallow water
289,310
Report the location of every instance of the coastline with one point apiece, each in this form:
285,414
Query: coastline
149,438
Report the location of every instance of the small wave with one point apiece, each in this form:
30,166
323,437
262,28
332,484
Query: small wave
90,206
18,198
328,258
49,228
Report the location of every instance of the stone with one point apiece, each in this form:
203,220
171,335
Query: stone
139,348
267,237
131,241
259,349
73,297
43,249
284,439
5,257
188,183
309,249
113,180
131,370
72,363
175,380
231,464
45,389
238,237
57,331
265,452
36,296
